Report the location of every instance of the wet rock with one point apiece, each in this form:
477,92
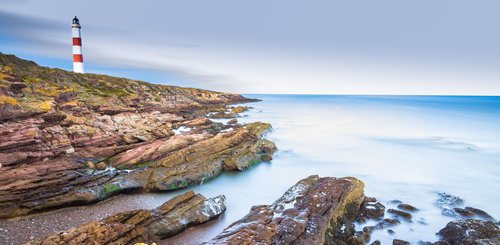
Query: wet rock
267,157
232,121
240,109
370,199
391,232
384,224
389,222
399,242
470,232
142,225
480,213
367,230
401,214
359,238
361,219
223,115
407,207
395,202
373,210
422,221
314,211
463,213
376,242
446,201
370,209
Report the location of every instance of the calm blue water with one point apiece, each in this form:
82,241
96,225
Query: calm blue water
402,147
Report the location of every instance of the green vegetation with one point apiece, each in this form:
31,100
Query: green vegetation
109,189
136,166
42,84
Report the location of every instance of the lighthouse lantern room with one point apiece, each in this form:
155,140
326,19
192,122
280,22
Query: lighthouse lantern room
77,46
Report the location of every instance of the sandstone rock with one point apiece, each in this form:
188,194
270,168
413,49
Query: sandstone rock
239,109
232,121
154,150
45,184
480,213
451,206
399,242
90,165
395,202
233,150
463,213
196,122
314,211
407,207
373,210
470,232
386,223
401,214
177,166
52,128
101,166
223,115
389,222
144,226
267,158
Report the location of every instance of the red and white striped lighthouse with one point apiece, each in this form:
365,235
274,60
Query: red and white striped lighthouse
77,46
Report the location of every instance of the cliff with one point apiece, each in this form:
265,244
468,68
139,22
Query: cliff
71,138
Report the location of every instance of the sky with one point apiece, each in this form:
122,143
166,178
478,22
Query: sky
449,47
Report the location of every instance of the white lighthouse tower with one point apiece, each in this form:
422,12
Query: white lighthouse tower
77,46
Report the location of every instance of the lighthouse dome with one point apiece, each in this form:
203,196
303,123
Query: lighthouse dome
76,21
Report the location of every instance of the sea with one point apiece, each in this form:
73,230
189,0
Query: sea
407,148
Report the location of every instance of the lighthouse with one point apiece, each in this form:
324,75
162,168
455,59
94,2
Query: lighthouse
77,46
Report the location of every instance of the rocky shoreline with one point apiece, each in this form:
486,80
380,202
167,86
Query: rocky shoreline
139,226
316,210
71,139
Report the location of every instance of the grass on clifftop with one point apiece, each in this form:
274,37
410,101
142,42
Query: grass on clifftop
44,84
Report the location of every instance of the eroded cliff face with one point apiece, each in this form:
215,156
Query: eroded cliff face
71,138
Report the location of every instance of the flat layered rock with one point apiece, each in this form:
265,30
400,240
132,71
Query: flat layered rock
71,139
60,182
143,226
313,211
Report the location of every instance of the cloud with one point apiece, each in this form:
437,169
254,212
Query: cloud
423,47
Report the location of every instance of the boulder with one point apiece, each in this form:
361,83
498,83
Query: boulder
400,214
399,242
407,207
470,232
313,211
